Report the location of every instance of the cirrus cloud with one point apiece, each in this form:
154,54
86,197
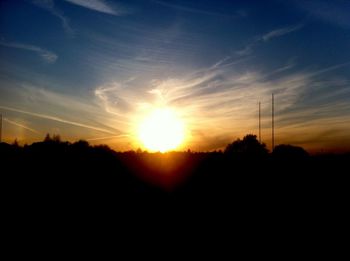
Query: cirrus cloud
98,6
46,55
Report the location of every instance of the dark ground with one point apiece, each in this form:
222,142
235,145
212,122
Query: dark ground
59,185
49,172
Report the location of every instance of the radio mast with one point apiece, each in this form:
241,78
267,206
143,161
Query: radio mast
273,122
259,123
0,127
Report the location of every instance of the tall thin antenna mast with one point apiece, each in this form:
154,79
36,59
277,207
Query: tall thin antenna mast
0,127
273,122
259,123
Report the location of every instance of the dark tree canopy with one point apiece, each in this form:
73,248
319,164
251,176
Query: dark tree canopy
54,138
70,176
247,148
289,152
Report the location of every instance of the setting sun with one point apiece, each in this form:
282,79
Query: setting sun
162,130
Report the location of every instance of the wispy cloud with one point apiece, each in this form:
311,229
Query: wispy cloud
280,32
98,5
53,118
109,137
46,55
82,117
248,49
49,5
332,12
21,125
219,103
238,13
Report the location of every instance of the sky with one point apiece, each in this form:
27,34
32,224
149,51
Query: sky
93,69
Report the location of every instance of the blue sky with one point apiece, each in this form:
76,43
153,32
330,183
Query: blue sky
92,69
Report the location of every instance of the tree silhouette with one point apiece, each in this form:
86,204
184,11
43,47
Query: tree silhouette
75,174
289,152
248,148
15,143
55,138
83,144
47,137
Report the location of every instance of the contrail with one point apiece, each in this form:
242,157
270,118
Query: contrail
109,137
21,125
331,68
48,56
43,116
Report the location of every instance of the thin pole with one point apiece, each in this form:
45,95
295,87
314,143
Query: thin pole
0,127
273,122
259,123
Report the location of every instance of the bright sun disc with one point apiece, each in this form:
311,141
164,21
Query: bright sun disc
161,130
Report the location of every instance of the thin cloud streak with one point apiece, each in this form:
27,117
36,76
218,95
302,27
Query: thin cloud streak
47,56
49,6
248,49
239,13
97,5
280,32
331,68
333,12
72,108
53,118
109,137
21,125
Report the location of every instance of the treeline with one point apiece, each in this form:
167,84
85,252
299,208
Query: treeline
248,148
170,171
57,180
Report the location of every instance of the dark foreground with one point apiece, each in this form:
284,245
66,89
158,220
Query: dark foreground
57,188
51,175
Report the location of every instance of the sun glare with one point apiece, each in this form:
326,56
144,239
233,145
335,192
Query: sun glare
162,130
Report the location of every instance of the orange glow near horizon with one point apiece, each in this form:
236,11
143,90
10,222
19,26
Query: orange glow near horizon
161,130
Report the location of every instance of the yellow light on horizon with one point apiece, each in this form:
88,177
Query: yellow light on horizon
162,130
